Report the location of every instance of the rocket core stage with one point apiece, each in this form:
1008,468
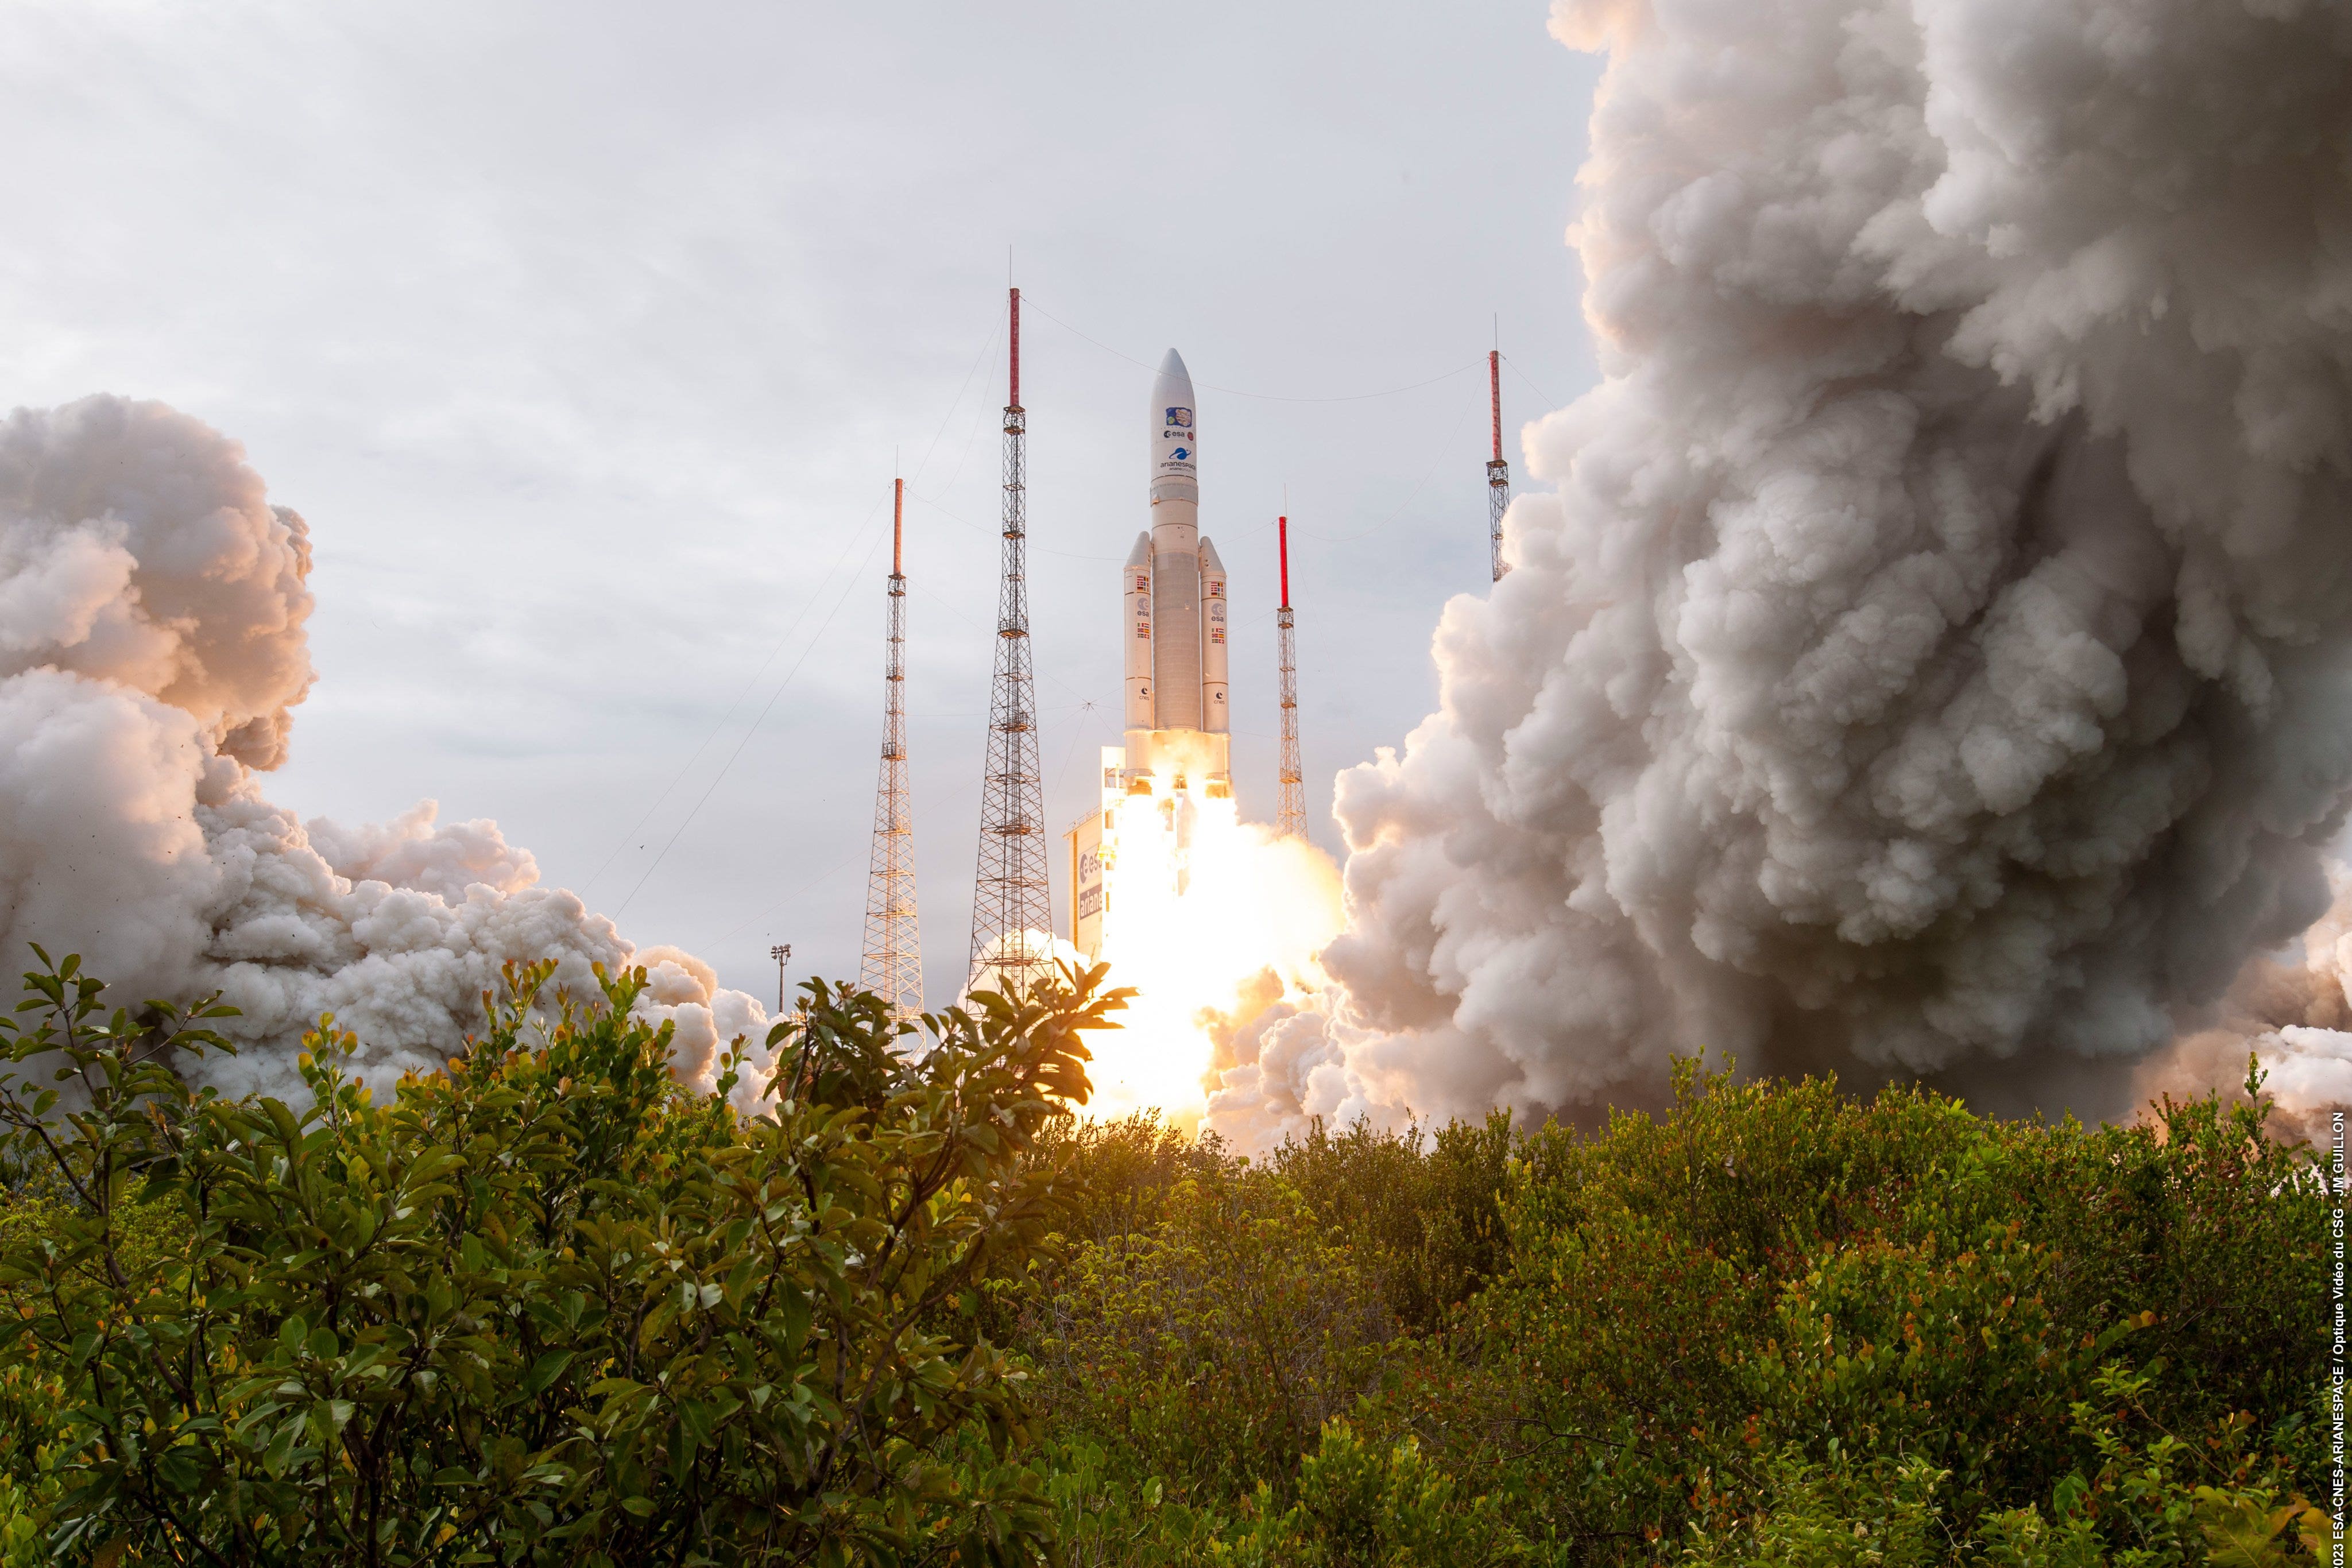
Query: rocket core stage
1178,716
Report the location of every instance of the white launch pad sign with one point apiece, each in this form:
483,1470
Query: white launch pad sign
1086,889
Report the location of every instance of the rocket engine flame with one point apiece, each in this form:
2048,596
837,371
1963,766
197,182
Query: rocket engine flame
1212,920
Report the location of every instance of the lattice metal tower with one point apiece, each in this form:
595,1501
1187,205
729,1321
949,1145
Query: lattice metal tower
1498,473
1290,800
893,965
1012,911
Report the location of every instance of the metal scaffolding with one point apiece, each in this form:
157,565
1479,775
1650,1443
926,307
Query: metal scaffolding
893,963
1012,911
1498,473
1290,800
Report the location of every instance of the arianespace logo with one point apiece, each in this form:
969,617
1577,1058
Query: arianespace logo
1179,419
1180,454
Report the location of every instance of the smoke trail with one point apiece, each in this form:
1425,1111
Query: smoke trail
151,647
1933,658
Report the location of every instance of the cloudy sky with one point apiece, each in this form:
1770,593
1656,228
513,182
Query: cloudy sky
586,338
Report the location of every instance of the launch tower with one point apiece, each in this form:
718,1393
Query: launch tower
893,963
1290,801
1012,911
1498,473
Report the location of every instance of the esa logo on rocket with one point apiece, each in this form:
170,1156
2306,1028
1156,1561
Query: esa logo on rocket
1177,448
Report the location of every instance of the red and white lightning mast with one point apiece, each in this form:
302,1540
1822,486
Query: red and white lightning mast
1498,473
1290,800
1012,911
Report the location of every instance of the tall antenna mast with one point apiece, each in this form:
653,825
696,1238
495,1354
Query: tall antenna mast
1498,473
893,965
1012,911
1290,800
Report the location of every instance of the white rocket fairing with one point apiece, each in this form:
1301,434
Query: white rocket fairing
1175,610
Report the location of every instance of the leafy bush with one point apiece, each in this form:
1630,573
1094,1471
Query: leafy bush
1775,1324
2152,1499
1421,1207
1773,1269
551,1308
548,1307
1212,1346
1363,1505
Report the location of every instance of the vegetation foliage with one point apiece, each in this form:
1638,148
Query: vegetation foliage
552,1308
546,1308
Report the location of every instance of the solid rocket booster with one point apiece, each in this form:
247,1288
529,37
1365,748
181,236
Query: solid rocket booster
1215,717
1175,550
1141,710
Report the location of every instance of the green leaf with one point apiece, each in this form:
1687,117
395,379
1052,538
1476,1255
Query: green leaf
544,1372
178,1469
280,1453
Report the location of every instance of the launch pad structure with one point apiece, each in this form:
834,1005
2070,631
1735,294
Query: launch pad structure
1011,910
892,964
1177,754
1290,797
1498,473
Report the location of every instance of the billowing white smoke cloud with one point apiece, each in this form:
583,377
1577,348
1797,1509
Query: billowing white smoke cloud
1935,655
152,644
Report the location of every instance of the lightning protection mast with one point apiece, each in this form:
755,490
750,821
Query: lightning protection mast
1498,473
1012,911
1290,800
893,965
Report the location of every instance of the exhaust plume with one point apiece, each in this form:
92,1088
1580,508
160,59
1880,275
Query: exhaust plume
152,605
1932,660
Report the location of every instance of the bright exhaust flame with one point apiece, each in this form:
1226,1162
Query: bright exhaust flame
1210,920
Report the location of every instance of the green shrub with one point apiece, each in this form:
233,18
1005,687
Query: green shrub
1125,1172
2152,1501
546,1308
550,1308
1773,1270
1420,1208
1211,1348
1367,1505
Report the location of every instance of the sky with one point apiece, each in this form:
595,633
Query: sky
588,339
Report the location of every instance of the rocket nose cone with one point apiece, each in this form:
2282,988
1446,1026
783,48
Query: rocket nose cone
1175,434
1174,382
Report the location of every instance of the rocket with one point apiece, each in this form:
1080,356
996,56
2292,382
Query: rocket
1174,623
1177,709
